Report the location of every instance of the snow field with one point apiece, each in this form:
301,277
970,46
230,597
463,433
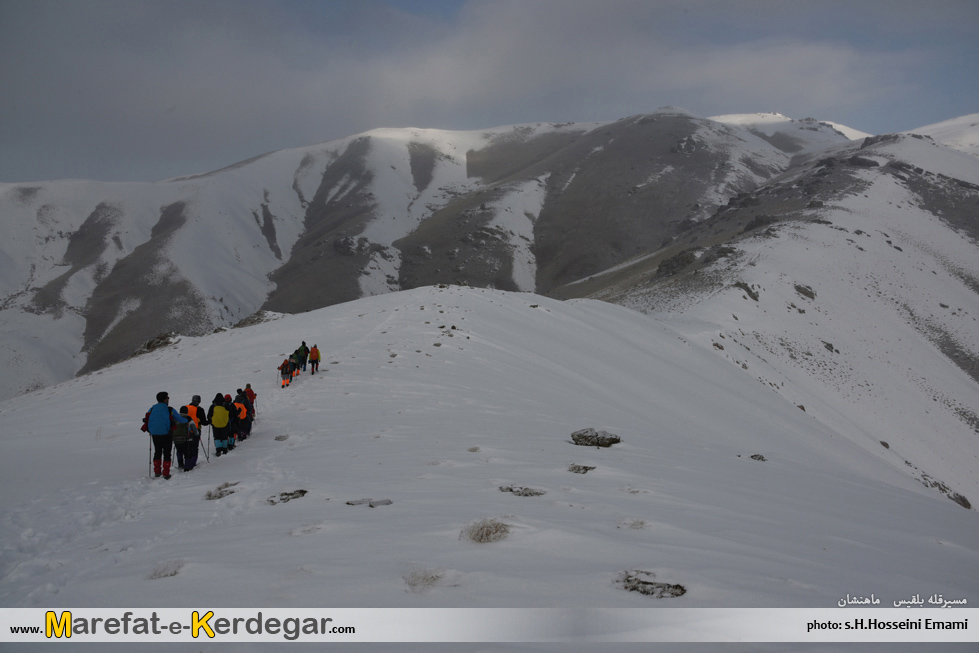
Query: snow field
438,430
873,380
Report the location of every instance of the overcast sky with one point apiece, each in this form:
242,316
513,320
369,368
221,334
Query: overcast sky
136,90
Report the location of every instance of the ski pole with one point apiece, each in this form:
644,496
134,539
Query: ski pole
206,455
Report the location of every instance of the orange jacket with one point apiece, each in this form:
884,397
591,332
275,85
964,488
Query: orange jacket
195,412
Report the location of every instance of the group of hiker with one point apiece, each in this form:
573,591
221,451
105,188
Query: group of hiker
180,431
297,361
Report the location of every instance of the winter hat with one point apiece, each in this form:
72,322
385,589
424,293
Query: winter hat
227,397
183,410
196,399
162,397
219,397
248,386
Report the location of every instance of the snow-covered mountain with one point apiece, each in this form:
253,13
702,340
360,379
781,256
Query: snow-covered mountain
958,133
850,287
457,405
793,368
92,271
795,136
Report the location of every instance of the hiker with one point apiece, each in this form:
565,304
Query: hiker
303,352
241,424
251,398
232,423
186,437
314,359
243,396
294,363
160,420
286,371
245,399
197,413
219,417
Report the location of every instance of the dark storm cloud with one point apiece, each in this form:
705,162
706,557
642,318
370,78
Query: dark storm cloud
148,90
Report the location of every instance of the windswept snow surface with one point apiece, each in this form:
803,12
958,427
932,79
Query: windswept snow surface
859,315
810,135
960,133
434,399
849,132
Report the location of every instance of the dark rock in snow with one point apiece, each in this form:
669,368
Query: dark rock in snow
372,503
642,582
220,491
862,162
285,497
522,491
591,438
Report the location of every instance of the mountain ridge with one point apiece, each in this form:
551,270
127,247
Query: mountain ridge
522,207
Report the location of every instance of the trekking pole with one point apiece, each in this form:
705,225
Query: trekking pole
206,454
207,451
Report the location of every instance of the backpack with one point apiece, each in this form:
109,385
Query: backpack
220,417
180,433
145,428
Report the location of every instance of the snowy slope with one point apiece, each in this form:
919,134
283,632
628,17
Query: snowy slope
402,205
960,133
217,246
795,136
436,398
90,270
862,308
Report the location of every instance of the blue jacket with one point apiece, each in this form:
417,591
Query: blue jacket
159,421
